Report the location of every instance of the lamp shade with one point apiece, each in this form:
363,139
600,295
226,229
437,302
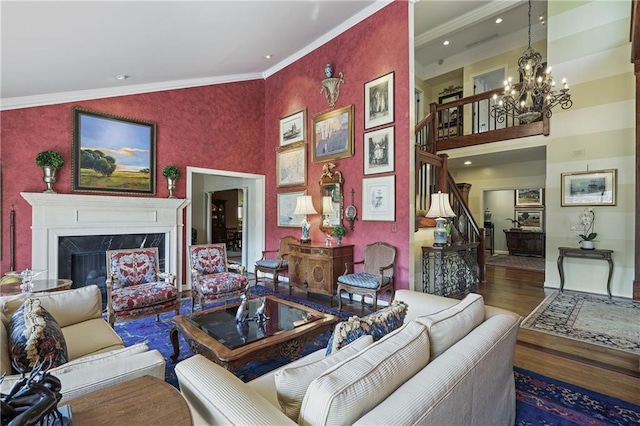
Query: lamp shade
327,205
440,206
304,205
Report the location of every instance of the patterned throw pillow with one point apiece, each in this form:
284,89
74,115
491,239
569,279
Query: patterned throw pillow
377,324
35,336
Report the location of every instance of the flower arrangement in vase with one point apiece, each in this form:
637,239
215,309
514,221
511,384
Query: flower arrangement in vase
587,222
339,231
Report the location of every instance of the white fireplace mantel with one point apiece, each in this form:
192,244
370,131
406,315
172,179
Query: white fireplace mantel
63,215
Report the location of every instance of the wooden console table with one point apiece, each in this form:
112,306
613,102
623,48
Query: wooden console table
584,254
315,268
525,242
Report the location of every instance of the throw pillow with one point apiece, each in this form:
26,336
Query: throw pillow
345,392
377,324
292,383
450,325
35,336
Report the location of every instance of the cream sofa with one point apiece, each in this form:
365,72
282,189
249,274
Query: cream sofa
97,355
450,363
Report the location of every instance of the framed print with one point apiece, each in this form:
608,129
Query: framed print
379,199
291,165
293,128
530,219
379,151
113,154
529,197
333,135
286,207
378,101
597,188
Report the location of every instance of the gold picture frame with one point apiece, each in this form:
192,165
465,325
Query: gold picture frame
590,188
332,135
291,165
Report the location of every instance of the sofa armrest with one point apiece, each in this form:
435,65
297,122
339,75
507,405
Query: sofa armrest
82,378
216,396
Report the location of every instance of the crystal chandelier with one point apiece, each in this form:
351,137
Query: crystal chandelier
536,95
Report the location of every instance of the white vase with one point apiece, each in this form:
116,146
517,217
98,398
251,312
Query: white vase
586,245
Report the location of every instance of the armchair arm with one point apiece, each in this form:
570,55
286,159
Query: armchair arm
240,269
348,266
384,268
169,278
265,252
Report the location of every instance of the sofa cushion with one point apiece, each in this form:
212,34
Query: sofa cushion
377,324
96,360
5,357
452,324
292,383
91,337
35,336
347,391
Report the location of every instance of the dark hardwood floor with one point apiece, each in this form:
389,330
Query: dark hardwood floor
598,369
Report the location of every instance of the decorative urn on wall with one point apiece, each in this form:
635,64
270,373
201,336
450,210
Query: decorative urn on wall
50,161
171,173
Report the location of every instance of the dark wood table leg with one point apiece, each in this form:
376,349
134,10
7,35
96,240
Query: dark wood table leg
610,261
173,336
561,271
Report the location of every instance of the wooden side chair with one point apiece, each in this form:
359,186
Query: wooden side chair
275,262
211,276
135,286
376,274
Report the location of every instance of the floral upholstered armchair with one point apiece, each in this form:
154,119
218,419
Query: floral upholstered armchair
135,287
211,278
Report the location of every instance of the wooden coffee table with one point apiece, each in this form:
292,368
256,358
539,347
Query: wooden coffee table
146,400
215,334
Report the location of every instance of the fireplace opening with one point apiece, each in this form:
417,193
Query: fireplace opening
83,258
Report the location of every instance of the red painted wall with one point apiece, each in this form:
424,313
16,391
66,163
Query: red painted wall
371,49
218,127
235,127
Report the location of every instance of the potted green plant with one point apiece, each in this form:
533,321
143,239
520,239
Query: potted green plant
339,231
171,173
50,161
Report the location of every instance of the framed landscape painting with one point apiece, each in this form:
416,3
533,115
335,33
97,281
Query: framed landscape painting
530,219
293,128
333,135
113,153
596,188
529,197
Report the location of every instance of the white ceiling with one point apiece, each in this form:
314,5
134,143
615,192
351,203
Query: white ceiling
64,51
55,51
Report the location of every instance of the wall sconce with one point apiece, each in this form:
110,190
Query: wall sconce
304,206
331,85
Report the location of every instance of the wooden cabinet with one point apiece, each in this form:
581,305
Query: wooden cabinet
529,243
316,268
218,221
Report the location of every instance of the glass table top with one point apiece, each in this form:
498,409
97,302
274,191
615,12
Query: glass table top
222,326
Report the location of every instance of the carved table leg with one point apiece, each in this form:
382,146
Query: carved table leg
173,335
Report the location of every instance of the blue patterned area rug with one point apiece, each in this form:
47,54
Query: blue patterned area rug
598,320
539,400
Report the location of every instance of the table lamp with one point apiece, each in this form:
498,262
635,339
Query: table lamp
327,211
440,209
304,206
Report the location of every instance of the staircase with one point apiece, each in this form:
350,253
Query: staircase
432,173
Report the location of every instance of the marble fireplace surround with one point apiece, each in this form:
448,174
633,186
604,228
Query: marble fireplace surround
64,215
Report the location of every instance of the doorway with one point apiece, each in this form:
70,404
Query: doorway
482,120
202,183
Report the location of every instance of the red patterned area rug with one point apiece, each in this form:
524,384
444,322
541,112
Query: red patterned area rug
516,262
598,320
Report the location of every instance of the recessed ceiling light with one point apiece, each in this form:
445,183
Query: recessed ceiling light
122,77
268,56
466,163
446,42
498,20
